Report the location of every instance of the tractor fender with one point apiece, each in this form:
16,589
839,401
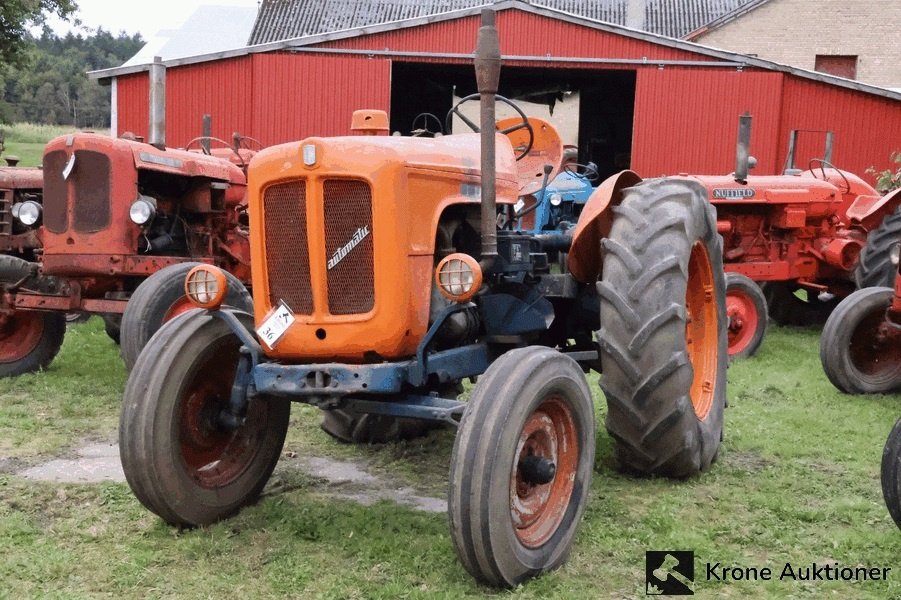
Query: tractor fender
584,259
868,211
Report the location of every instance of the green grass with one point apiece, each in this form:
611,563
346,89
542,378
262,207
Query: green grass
797,480
27,140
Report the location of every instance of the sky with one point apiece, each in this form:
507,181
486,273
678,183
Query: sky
144,17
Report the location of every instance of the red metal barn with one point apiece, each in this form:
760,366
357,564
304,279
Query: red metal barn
651,103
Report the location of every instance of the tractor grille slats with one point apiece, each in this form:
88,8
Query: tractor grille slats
55,201
287,253
347,233
91,182
348,246
6,216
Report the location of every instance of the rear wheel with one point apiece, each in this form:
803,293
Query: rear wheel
891,473
746,311
161,297
663,330
878,260
181,463
521,466
860,352
29,340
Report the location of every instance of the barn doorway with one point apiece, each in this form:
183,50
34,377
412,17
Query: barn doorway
593,109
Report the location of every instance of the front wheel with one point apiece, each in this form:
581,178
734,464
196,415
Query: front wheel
891,473
746,311
161,297
859,350
521,466
663,330
179,460
29,340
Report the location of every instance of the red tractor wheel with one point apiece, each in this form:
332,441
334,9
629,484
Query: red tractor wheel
29,340
178,458
878,261
746,311
891,473
521,466
663,329
860,351
161,297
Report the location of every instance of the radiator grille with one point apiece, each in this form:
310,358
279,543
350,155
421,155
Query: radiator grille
347,206
91,186
56,216
6,216
287,252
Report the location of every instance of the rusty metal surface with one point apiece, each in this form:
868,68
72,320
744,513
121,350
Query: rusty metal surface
287,255
347,207
17,178
90,185
56,212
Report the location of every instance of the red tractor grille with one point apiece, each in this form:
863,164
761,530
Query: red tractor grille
348,246
56,217
91,184
6,216
287,253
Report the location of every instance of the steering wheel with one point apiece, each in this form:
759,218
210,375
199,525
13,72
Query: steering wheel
204,138
523,124
588,172
823,164
249,143
424,130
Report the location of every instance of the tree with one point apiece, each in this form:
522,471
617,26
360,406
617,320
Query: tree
17,15
888,180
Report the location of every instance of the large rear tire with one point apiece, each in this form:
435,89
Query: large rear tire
161,297
663,330
521,466
858,353
878,261
746,311
29,340
891,473
178,460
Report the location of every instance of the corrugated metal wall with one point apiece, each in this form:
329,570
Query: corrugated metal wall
686,120
685,117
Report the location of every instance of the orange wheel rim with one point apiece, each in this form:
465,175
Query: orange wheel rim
549,435
701,329
20,333
180,306
743,320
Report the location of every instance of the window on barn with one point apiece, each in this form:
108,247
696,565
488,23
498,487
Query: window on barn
837,64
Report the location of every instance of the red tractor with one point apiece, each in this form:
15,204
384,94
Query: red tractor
121,222
19,187
384,273
810,236
860,350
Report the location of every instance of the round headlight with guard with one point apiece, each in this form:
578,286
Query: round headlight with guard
29,213
142,210
459,277
206,286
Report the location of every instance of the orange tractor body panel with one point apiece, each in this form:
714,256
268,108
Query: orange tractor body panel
339,264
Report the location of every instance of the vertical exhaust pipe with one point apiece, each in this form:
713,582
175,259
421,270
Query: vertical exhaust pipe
488,72
741,149
157,82
206,132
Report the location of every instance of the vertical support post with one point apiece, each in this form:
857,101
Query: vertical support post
792,142
827,153
741,149
488,72
157,77
206,132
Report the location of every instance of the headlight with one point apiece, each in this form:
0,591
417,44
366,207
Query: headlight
459,277
142,210
15,209
29,212
206,286
556,199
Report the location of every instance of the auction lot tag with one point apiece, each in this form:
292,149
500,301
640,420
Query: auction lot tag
276,324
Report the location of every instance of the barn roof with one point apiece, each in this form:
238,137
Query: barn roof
313,43
280,20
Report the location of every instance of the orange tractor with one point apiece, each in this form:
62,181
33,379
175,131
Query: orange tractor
809,236
121,222
19,187
384,274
